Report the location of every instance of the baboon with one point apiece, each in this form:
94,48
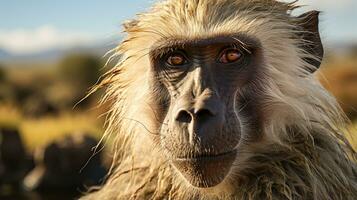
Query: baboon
218,100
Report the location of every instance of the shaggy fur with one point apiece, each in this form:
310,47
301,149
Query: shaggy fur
303,154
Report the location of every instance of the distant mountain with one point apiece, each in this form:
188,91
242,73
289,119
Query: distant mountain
3,54
98,48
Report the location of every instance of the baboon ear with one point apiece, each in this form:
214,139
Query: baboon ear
309,22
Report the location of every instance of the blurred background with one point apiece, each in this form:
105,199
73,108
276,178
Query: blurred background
51,52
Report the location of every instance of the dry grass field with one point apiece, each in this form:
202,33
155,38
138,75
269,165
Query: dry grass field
41,131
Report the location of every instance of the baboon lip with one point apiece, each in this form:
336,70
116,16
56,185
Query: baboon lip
205,171
206,156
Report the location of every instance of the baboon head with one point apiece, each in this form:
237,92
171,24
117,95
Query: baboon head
212,76
207,80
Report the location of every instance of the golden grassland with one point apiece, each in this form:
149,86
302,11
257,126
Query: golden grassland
41,131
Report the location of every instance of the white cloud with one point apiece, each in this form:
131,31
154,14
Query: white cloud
327,4
23,41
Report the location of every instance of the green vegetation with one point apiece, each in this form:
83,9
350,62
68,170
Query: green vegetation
38,98
54,88
2,74
80,70
4,87
39,101
75,74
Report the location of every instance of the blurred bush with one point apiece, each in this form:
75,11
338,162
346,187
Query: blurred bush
58,87
2,74
4,89
76,74
37,106
28,92
80,70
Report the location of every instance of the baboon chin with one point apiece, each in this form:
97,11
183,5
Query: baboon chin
218,100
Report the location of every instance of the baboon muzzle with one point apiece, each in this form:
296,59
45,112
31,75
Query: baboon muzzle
201,153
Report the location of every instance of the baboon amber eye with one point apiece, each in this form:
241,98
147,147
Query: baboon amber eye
230,56
176,59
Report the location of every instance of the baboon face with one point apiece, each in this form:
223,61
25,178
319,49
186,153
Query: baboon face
201,130
210,92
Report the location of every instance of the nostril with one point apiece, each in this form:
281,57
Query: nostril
184,117
204,115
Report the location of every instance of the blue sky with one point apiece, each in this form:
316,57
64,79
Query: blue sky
36,25
95,16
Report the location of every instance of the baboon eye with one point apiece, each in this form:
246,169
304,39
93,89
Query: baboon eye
176,59
230,56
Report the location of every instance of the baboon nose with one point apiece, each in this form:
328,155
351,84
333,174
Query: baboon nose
199,119
202,122
201,116
184,116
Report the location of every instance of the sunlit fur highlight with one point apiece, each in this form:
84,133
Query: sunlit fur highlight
303,154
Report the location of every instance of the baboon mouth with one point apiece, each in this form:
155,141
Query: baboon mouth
206,156
205,170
